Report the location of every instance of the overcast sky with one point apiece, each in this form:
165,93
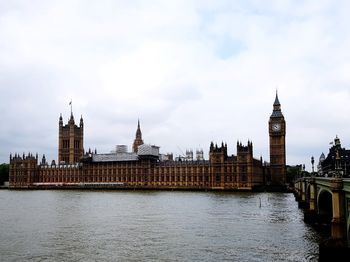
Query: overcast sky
192,72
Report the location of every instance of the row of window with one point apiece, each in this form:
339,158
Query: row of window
66,144
168,171
66,159
152,179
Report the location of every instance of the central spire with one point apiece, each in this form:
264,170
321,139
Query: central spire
138,138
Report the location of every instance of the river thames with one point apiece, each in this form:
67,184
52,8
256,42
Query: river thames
71,225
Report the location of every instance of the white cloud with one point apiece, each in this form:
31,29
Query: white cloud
192,71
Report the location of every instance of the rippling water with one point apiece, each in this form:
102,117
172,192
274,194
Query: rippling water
153,226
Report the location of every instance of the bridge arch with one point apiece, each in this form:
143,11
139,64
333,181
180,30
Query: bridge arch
325,206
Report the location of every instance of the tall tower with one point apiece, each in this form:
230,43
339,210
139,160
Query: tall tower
244,164
217,158
70,141
138,138
277,132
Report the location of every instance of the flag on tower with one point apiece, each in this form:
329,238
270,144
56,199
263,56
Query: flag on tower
71,108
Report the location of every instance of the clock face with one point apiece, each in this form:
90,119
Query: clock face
276,127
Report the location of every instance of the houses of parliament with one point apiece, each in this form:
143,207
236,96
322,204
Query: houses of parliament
146,168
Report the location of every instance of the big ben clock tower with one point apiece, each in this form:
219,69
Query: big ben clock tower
277,132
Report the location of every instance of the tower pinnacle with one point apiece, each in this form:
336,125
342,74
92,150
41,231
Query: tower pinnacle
276,107
138,131
60,120
277,102
138,138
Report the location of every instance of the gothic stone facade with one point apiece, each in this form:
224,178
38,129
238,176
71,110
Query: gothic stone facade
144,170
220,172
337,162
70,141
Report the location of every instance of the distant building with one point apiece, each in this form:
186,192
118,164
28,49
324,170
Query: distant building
294,172
166,157
199,155
337,161
319,165
146,168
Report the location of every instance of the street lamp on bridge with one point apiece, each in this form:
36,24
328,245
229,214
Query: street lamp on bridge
338,169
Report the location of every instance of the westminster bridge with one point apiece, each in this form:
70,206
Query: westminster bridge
326,201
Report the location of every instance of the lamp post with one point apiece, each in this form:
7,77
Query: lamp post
312,163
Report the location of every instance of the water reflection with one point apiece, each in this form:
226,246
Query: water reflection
153,226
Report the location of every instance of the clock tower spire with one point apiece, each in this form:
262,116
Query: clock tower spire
277,133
